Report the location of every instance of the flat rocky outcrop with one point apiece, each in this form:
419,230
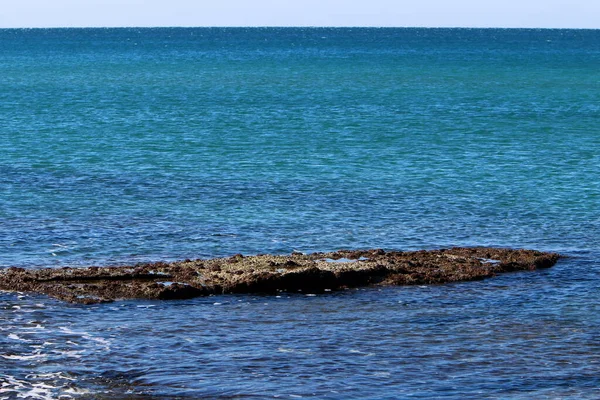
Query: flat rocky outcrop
308,273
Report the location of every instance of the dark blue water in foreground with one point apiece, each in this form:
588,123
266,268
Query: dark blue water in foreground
127,145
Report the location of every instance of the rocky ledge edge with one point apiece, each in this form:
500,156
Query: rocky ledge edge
307,273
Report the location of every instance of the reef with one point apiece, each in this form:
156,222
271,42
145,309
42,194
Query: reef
307,273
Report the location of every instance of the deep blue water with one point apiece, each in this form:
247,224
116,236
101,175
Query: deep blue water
127,145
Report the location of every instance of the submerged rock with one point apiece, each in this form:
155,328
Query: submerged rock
317,272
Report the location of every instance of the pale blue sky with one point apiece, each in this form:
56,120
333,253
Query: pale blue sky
440,13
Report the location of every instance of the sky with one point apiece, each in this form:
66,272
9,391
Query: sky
396,13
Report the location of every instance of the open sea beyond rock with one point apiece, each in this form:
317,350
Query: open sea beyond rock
122,146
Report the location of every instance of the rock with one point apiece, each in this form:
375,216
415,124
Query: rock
311,273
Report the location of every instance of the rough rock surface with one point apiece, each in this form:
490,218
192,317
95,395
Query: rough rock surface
309,273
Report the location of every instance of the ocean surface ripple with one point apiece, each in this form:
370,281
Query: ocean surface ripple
131,145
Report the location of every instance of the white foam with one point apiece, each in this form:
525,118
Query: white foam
38,326
51,375
97,340
344,260
72,353
22,358
287,350
44,390
284,350
382,374
353,351
489,261
159,273
75,391
29,310
86,336
37,392
68,330
16,337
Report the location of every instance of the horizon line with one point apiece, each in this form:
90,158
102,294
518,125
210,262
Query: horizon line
290,27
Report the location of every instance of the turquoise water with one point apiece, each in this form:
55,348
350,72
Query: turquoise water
127,145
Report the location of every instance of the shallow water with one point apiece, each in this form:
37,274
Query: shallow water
520,335
120,146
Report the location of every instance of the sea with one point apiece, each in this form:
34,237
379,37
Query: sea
121,146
